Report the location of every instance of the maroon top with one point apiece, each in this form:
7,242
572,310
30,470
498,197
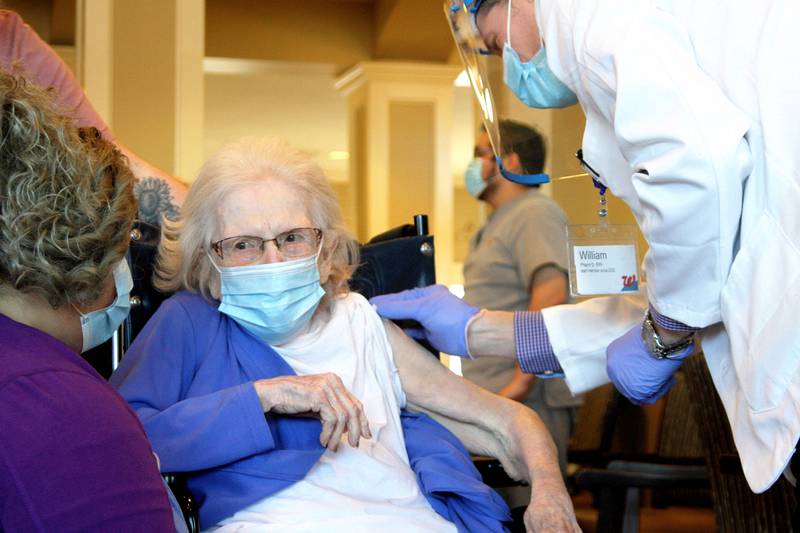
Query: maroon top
73,456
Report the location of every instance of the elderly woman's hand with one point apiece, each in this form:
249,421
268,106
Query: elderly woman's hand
550,509
320,395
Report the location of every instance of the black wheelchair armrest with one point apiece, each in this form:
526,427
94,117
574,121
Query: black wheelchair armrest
600,459
617,488
653,459
630,474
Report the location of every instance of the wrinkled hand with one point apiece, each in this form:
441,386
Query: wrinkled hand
638,375
443,316
320,395
550,509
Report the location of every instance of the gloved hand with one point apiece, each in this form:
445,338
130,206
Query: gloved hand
638,375
443,316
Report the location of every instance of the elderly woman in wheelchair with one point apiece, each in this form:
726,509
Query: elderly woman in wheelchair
292,404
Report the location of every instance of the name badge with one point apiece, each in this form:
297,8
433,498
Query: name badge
603,260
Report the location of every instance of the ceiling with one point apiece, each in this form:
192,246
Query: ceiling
412,29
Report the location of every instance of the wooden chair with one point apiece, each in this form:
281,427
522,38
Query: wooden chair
736,508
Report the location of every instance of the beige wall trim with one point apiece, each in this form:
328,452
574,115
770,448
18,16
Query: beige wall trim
375,86
234,66
94,53
396,72
189,86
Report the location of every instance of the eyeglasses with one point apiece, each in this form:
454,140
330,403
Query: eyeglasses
247,250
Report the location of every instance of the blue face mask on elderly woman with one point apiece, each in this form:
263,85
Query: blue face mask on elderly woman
533,82
272,301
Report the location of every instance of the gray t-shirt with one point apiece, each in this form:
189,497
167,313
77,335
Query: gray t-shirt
524,235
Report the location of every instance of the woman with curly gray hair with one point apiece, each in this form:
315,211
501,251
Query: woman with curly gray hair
73,457
285,394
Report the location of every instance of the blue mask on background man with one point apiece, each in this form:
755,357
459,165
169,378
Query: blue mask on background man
473,180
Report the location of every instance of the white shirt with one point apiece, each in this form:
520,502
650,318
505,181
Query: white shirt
704,96
369,488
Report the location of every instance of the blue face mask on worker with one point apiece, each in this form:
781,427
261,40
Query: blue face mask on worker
272,301
98,326
533,82
473,178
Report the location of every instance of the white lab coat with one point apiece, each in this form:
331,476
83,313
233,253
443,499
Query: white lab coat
705,96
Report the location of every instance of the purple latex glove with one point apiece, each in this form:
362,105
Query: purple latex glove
443,316
638,375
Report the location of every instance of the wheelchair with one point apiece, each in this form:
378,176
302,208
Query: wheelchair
396,260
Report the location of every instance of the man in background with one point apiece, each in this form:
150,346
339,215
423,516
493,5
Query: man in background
518,262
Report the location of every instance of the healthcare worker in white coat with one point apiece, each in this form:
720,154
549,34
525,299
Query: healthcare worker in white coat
693,119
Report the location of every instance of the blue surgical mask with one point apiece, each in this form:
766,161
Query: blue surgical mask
272,301
98,326
533,82
473,180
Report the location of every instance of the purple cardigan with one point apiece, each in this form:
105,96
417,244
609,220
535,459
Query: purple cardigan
189,377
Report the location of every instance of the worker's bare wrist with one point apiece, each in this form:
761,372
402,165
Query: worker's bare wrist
491,333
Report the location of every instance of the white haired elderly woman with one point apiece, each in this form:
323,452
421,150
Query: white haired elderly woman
293,405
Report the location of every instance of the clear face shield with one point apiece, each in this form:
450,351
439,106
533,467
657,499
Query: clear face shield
474,54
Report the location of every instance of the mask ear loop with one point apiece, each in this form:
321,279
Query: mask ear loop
319,248
81,313
213,263
115,275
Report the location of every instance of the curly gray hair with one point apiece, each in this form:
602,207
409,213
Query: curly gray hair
183,261
66,200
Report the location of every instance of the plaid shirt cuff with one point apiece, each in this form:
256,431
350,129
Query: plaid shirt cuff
669,324
534,352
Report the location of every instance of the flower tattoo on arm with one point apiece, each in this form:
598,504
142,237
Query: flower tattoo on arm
155,200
